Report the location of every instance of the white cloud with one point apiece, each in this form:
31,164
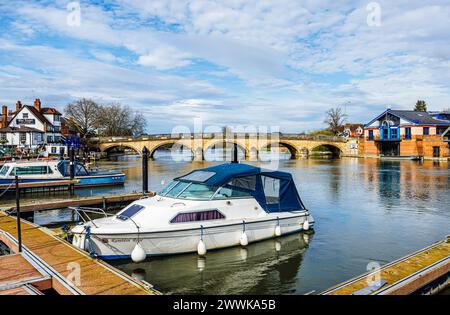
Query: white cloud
164,58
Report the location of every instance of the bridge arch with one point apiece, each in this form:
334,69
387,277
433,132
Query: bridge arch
110,146
294,152
171,144
229,144
334,149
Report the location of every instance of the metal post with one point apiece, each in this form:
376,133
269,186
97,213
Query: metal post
144,170
19,230
72,169
235,153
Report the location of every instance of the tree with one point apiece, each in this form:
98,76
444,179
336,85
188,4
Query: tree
116,119
335,118
421,106
82,116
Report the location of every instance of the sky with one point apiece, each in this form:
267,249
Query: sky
276,64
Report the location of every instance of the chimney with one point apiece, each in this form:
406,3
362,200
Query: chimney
18,106
4,116
37,104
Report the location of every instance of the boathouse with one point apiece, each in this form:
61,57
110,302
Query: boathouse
407,133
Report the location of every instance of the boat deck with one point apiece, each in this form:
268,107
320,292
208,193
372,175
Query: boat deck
403,276
49,262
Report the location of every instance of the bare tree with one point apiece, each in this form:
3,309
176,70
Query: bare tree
335,118
118,120
82,115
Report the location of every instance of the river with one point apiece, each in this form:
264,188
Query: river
366,210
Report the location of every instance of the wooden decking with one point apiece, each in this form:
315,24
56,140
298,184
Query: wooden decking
74,202
58,265
56,183
403,276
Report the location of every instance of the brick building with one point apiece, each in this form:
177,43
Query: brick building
407,133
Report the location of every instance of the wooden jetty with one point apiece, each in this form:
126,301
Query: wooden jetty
47,185
50,264
425,271
102,201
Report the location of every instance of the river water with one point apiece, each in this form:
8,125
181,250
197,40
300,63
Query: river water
366,210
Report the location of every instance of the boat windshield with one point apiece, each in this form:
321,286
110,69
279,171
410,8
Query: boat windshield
4,170
198,192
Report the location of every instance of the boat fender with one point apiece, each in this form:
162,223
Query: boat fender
138,253
82,241
201,248
306,225
278,228
243,239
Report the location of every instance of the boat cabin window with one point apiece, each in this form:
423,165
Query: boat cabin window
129,212
271,189
247,182
198,192
198,176
32,170
4,170
227,192
176,189
80,170
168,188
198,216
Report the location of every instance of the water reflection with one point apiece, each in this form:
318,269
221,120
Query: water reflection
270,266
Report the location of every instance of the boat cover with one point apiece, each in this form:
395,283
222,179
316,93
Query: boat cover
274,190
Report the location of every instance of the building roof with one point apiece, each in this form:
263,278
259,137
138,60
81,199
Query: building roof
36,113
20,129
50,110
414,117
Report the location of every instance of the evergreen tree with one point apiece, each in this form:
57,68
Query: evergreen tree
421,106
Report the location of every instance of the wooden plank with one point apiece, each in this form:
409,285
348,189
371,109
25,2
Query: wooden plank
89,275
401,270
75,202
15,268
41,184
16,291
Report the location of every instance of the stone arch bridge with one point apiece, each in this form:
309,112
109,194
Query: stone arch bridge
251,145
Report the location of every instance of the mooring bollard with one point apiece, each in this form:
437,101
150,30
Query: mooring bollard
19,231
144,170
72,169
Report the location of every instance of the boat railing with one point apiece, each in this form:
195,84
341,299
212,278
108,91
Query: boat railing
83,214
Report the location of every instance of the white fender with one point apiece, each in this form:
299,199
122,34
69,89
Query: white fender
306,225
244,239
138,253
201,248
278,230
82,242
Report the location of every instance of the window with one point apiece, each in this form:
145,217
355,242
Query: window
247,182
129,212
408,133
179,187
426,131
3,136
394,133
53,150
198,216
370,135
4,170
31,170
227,192
198,192
23,137
49,139
271,189
198,176
57,118
25,115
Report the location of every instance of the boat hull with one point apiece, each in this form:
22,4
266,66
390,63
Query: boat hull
84,181
120,246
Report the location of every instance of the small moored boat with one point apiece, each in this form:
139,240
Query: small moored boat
56,170
216,207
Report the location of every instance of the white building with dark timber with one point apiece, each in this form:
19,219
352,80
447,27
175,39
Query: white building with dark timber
32,128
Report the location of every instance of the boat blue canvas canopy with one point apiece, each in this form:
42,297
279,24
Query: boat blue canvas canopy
274,190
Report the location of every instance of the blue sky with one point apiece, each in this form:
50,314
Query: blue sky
235,62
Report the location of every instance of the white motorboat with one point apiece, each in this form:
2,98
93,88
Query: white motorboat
216,207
